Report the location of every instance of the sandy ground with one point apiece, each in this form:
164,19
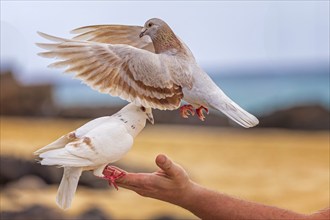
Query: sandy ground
288,169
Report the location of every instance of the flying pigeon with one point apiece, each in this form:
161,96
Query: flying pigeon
150,66
92,147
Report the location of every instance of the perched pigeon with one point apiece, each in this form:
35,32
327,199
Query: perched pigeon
92,146
148,65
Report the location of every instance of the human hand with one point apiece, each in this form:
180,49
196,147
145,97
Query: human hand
171,183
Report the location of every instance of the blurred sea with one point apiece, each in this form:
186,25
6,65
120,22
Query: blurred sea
258,93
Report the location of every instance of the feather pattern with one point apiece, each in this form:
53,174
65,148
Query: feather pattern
114,34
119,70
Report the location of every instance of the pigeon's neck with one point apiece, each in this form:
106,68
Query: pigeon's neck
165,40
133,126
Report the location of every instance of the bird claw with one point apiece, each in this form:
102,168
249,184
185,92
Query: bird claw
187,110
200,114
111,174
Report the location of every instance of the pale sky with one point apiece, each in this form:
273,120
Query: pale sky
219,33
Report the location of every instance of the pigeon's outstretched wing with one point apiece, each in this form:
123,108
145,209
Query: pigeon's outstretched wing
133,74
115,34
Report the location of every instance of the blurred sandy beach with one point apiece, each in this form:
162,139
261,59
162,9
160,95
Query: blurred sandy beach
279,167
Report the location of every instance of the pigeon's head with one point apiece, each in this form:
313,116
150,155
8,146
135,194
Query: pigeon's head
138,111
152,26
148,112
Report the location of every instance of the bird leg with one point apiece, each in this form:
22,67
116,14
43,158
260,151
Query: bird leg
187,110
200,114
111,174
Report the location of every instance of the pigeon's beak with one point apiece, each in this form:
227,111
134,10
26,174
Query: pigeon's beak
149,115
142,32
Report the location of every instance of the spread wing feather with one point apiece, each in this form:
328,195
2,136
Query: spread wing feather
114,34
135,75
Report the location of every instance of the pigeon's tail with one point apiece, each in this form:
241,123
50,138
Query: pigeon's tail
235,112
62,157
68,186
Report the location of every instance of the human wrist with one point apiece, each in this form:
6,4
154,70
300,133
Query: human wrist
196,199
187,195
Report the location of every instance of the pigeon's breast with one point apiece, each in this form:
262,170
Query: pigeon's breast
111,142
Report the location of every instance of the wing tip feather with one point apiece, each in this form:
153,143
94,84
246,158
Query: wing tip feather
50,37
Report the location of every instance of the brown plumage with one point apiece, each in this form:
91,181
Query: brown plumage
114,34
114,69
165,40
149,66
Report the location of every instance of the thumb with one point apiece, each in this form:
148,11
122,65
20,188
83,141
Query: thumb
166,164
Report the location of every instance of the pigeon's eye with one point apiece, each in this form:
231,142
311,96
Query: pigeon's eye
143,108
150,24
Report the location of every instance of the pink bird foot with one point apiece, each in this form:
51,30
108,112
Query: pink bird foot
200,114
111,174
187,110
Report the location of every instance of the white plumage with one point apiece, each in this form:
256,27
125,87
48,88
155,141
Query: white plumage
92,147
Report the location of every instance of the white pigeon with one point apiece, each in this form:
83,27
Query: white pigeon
92,147
148,65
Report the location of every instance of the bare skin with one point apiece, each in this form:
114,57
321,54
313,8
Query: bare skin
172,184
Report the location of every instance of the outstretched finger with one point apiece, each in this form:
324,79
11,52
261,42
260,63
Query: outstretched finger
131,180
126,186
166,164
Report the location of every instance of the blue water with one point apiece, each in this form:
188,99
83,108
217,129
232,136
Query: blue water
259,93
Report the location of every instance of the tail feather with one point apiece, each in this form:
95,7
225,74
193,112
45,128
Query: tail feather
236,113
64,158
68,186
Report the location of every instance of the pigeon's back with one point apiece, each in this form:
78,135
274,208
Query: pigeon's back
91,125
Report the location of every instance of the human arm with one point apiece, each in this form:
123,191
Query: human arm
172,184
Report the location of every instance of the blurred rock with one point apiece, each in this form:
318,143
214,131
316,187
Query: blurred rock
13,171
303,117
17,99
36,212
93,214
